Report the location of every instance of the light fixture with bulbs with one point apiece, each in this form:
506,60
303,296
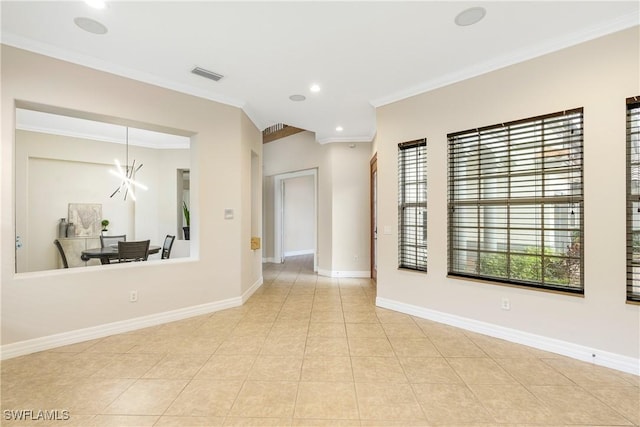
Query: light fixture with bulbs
315,88
127,175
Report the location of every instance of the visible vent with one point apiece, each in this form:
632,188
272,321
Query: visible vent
207,74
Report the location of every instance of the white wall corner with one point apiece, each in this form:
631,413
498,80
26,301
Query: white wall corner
575,351
22,348
247,294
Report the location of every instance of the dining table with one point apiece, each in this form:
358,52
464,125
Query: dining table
108,253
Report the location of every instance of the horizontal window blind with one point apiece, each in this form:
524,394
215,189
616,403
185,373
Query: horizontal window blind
515,202
633,199
412,205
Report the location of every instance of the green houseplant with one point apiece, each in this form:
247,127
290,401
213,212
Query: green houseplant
105,224
187,220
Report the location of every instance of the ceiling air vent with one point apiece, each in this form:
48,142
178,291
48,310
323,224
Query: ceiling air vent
207,74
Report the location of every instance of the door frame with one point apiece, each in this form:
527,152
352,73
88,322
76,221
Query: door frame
373,197
278,214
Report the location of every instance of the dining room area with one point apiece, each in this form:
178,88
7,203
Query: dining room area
83,186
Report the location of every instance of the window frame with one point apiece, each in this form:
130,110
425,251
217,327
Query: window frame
632,132
412,194
468,190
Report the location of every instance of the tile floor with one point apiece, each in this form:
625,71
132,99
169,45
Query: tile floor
313,351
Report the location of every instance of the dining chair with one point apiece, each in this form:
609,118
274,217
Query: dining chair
166,247
133,251
111,240
62,255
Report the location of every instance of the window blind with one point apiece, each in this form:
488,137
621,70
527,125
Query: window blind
633,199
515,202
412,205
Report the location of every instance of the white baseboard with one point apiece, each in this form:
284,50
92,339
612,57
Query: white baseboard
247,294
575,351
302,252
21,348
346,274
272,260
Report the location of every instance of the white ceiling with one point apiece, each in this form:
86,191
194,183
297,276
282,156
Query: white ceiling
362,54
38,121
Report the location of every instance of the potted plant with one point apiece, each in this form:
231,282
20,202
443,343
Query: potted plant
105,224
187,220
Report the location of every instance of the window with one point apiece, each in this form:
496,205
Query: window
633,199
515,202
412,205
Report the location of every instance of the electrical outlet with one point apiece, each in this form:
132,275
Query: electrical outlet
506,304
133,296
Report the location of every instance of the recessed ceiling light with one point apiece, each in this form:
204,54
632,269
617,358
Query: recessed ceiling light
315,88
96,4
339,129
470,16
90,25
297,97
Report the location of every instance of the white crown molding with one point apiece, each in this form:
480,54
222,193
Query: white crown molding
102,138
622,23
14,40
565,348
55,124
332,139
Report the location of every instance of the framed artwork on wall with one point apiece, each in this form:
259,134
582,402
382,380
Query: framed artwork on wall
87,218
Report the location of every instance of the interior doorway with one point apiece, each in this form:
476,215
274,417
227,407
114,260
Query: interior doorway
295,208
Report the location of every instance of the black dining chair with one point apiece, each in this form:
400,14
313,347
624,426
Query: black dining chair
106,241
112,240
61,251
133,251
166,247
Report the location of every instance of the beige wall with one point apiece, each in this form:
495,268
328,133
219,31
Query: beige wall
250,192
597,75
343,194
350,208
292,154
221,265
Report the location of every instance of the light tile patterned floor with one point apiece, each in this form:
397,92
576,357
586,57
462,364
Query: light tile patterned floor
313,351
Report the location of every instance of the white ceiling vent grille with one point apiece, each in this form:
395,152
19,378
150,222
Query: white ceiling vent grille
207,74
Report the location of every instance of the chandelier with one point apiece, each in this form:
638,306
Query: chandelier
127,175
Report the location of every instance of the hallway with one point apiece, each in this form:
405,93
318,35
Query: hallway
308,350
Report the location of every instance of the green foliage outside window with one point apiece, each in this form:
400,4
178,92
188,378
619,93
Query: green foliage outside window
562,269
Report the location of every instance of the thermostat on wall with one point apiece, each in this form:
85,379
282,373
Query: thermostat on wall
228,214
